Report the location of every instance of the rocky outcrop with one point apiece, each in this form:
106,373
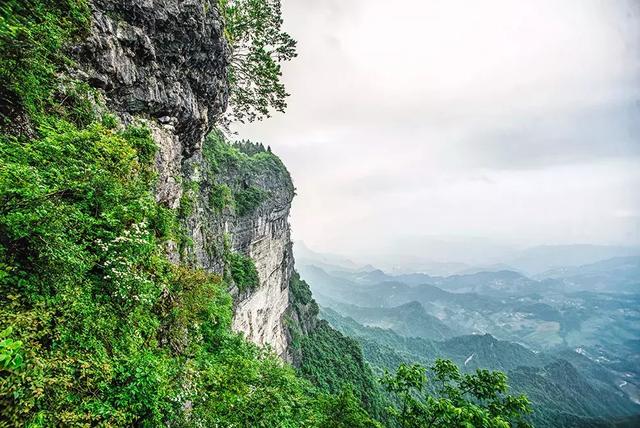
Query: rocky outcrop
163,62
261,232
165,59
259,314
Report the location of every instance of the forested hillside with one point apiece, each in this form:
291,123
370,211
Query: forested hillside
107,316
502,321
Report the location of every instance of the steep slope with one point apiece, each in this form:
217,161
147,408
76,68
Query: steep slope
233,202
559,390
329,359
238,201
166,65
134,240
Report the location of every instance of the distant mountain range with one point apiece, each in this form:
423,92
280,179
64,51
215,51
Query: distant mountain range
568,337
619,274
453,257
536,260
567,389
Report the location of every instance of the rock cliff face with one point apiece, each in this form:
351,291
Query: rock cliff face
260,314
260,231
163,62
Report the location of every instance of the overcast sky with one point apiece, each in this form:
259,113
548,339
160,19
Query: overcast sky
517,122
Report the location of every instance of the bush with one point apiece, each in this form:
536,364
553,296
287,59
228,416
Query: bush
220,197
32,35
242,270
249,199
440,396
82,273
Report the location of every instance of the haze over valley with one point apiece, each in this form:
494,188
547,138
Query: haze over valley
573,328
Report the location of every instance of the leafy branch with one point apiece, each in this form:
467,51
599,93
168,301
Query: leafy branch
258,47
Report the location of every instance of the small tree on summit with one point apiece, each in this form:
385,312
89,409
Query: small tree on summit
440,396
258,47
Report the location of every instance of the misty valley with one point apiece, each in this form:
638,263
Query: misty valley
567,337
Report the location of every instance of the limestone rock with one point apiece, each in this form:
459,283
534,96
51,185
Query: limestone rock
163,62
160,58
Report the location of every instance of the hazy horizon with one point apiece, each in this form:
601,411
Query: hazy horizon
447,258
498,123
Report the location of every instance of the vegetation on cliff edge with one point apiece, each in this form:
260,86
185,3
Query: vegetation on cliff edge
98,328
258,47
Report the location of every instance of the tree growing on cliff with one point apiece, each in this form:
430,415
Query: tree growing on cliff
441,396
258,47
343,410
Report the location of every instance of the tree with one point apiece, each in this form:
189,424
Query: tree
440,396
258,47
343,410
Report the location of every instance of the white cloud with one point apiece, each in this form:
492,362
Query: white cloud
518,121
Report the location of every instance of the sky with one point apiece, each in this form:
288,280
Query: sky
503,123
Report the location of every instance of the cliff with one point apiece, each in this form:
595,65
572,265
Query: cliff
164,63
136,241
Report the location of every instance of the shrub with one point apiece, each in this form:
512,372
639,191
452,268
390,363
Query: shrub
249,199
32,35
220,197
242,270
479,399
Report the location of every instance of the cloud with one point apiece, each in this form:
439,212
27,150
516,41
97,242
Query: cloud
574,136
503,119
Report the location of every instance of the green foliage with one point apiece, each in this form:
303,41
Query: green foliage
250,148
243,270
82,269
98,328
10,357
220,197
241,169
302,315
198,308
333,362
81,273
440,396
88,181
300,290
248,200
32,34
343,410
185,209
258,46
243,158
109,121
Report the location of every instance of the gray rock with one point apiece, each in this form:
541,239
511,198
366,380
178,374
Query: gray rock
163,62
161,58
